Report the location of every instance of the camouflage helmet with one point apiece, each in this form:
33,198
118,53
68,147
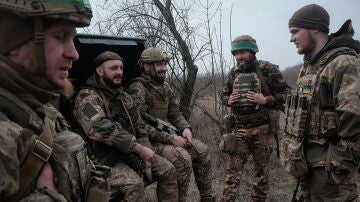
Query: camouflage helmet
244,42
153,54
21,19
77,11
105,56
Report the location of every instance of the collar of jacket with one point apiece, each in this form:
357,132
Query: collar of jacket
31,89
342,38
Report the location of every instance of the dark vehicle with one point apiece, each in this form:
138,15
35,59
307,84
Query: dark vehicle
89,46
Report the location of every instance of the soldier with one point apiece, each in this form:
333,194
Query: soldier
40,160
114,130
154,96
252,87
326,102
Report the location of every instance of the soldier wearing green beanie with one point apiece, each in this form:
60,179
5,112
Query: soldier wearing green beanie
322,114
254,89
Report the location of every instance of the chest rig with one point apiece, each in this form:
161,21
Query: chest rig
310,110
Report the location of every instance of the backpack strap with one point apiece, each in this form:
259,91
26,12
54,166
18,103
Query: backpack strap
41,148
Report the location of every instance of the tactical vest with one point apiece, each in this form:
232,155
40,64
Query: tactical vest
243,83
249,114
20,113
310,110
157,98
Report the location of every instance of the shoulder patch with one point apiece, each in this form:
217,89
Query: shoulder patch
89,110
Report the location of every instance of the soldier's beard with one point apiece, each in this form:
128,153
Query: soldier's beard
68,89
248,64
109,82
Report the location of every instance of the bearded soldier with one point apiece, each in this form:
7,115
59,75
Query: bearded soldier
252,88
323,114
116,133
154,96
40,160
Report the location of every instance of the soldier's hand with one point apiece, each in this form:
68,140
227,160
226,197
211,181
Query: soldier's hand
187,135
145,153
179,141
46,178
258,98
234,97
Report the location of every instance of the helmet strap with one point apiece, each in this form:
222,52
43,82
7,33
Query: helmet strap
39,38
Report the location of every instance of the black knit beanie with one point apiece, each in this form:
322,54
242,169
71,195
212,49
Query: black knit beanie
311,16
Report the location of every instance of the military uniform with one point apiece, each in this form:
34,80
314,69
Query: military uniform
326,103
251,127
22,116
109,119
33,133
159,101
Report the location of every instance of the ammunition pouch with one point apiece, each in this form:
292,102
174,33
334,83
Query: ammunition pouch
228,143
229,122
293,156
98,187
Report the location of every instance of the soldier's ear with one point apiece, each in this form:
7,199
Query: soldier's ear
100,71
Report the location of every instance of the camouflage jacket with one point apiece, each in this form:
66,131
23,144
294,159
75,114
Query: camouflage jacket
337,67
23,106
102,112
149,94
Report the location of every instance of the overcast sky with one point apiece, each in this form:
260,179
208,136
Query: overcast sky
267,22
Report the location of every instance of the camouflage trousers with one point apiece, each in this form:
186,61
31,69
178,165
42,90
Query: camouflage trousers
197,157
132,185
44,195
316,187
257,142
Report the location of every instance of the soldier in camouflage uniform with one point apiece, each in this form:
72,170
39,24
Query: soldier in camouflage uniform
328,92
154,96
245,92
115,131
40,160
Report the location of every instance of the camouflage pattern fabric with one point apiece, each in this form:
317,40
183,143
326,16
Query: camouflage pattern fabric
158,100
21,123
256,142
331,81
251,126
316,187
100,110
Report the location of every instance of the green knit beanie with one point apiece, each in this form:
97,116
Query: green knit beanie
311,16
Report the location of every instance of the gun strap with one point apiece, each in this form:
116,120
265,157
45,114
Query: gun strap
40,154
262,80
127,113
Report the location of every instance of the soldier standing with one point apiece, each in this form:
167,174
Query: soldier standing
326,102
252,87
154,96
40,160
112,125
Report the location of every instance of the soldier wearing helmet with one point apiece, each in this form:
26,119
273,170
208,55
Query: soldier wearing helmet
119,137
40,160
154,96
253,87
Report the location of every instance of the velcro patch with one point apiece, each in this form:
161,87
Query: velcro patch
89,111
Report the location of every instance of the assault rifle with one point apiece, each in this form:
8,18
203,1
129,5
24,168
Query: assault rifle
159,124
